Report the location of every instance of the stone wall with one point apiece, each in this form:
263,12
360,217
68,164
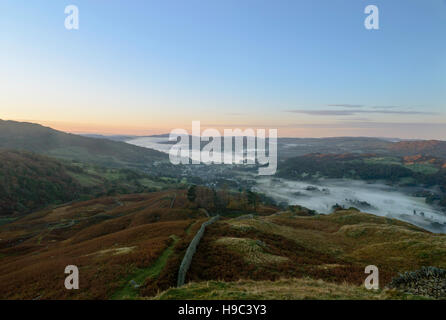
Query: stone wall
187,260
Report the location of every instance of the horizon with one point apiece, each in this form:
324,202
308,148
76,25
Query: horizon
167,133
307,69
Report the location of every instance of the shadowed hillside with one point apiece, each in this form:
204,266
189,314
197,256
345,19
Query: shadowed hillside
39,139
29,181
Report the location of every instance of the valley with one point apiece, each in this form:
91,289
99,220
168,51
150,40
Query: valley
222,150
399,184
307,232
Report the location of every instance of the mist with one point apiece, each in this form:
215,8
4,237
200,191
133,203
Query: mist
376,198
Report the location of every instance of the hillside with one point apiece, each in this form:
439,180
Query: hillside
111,240
43,140
29,181
284,289
363,166
334,248
434,148
131,247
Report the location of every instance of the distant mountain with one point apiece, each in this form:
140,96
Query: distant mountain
292,147
112,137
123,137
433,148
164,135
43,140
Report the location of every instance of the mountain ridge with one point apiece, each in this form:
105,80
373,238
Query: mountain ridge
36,138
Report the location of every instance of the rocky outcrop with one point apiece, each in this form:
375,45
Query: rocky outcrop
428,281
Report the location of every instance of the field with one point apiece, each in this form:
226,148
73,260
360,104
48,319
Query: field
335,248
131,247
283,289
329,251
112,240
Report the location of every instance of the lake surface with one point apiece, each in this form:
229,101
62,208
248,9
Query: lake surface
160,144
156,143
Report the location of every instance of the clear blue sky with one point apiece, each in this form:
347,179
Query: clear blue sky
295,65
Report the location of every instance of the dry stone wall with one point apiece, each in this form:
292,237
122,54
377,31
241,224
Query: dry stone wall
187,260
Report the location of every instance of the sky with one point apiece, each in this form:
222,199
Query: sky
306,68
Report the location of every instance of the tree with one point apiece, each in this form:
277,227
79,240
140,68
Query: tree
252,200
192,193
219,203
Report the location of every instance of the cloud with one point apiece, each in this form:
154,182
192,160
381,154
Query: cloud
363,106
324,112
334,125
408,130
347,105
352,112
385,107
356,119
370,124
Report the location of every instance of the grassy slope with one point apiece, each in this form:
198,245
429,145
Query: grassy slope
109,239
117,239
335,248
284,289
358,237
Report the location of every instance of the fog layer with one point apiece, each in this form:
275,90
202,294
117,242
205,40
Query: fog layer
373,198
